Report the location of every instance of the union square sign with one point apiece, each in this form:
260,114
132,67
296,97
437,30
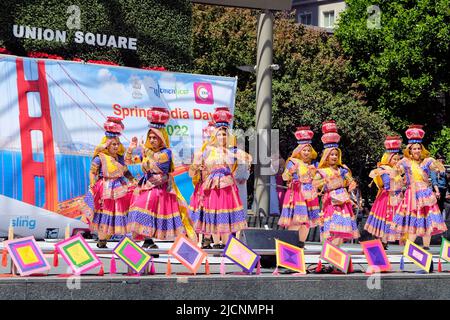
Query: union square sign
80,37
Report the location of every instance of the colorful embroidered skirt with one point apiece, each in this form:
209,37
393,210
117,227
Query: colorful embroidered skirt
222,212
106,216
298,211
379,223
197,199
338,220
418,220
155,213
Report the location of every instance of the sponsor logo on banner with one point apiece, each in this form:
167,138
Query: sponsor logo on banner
24,222
169,91
203,93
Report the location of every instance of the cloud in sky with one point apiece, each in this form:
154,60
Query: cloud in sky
110,89
104,75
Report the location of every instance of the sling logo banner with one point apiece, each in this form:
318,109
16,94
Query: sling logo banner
203,93
24,222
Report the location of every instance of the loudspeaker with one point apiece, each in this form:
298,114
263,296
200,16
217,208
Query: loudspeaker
265,239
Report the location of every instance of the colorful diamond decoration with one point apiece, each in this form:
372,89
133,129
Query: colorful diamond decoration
290,257
132,254
336,256
445,250
240,254
77,254
27,256
376,255
187,252
418,256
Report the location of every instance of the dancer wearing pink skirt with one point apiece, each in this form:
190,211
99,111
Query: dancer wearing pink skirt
301,209
220,211
418,214
335,180
157,208
109,195
389,181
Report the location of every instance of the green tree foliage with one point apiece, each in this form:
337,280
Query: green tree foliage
402,61
162,29
442,144
311,86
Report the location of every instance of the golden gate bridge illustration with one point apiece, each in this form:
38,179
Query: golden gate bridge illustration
43,178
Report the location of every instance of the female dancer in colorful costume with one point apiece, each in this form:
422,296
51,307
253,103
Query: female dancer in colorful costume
389,181
220,211
157,209
333,178
199,175
418,214
108,197
301,204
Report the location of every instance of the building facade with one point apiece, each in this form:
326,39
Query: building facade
318,13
